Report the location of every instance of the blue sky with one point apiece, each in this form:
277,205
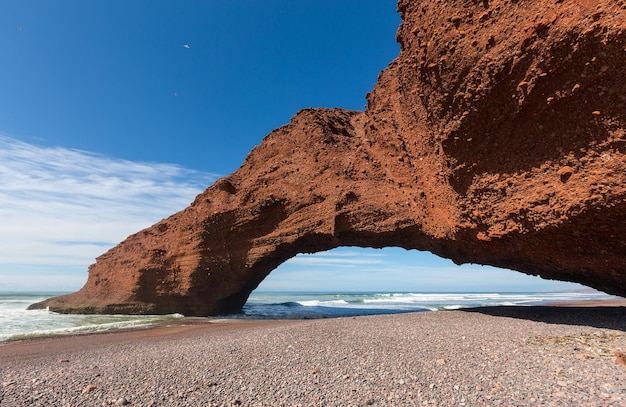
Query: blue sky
114,114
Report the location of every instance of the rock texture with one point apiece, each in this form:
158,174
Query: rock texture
496,137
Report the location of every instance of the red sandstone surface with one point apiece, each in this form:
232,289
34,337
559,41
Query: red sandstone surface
496,137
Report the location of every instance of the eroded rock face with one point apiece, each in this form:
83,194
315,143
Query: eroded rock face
496,137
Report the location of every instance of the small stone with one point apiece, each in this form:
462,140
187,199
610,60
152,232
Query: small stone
441,362
540,26
567,170
620,358
576,88
565,173
315,371
88,388
122,402
589,32
596,113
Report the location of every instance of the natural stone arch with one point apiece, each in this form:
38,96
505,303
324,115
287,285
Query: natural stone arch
437,162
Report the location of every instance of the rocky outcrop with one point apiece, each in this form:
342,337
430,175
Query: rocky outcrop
496,137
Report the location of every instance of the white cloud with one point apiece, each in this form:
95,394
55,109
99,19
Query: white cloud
62,208
397,270
337,258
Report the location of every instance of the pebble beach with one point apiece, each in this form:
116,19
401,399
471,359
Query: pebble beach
500,356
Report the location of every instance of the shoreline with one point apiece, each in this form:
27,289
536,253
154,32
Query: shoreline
47,345
194,323
525,356
37,345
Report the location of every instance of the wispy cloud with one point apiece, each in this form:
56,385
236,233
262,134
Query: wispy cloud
395,269
338,259
61,207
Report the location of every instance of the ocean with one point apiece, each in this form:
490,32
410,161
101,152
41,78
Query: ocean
16,322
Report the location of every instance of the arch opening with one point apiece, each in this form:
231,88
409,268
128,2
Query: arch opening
348,281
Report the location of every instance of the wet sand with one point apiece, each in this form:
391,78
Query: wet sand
618,302
60,345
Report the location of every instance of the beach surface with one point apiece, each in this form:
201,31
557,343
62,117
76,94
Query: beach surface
522,356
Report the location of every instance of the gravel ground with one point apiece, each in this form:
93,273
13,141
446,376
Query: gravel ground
542,356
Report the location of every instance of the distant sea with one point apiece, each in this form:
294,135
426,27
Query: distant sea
16,322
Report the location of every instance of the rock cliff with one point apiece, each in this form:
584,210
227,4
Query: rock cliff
496,137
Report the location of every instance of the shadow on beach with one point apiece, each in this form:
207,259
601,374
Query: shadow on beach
598,317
